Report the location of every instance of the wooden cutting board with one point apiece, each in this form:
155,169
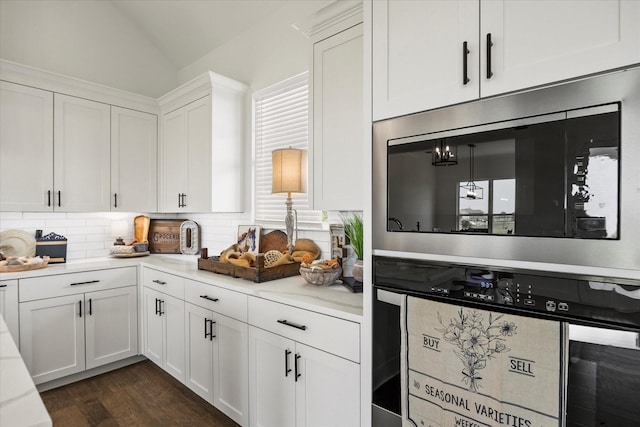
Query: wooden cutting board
164,236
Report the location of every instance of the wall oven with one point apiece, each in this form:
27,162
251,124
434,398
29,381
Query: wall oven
602,315
548,175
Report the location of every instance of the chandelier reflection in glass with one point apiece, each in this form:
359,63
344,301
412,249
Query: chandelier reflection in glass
471,190
443,154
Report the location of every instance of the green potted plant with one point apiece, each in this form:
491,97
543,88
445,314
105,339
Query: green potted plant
353,230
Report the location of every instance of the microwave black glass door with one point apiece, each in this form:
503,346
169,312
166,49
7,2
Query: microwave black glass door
551,179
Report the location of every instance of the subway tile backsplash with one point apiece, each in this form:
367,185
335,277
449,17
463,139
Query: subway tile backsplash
90,235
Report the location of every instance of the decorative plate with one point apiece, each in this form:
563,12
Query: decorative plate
189,238
17,243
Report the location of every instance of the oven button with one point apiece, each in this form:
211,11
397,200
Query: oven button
551,306
563,306
529,301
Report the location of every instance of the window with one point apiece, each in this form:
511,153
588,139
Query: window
281,121
475,215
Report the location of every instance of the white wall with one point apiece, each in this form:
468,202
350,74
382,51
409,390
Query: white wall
268,53
89,40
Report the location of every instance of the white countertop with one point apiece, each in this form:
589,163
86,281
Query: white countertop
334,300
20,402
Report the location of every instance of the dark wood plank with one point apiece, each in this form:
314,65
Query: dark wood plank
141,394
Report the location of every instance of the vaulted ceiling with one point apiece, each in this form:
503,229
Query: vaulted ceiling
185,30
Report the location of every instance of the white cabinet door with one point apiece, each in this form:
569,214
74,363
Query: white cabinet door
198,135
9,307
271,380
26,148
134,171
52,338
111,324
173,351
186,158
230,368
338,150
81,155
173,161
153,334
199,351
418,60
538,42
326,381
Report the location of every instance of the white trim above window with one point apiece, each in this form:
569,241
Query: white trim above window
281,121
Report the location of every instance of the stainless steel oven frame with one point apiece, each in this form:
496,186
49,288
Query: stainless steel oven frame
618,87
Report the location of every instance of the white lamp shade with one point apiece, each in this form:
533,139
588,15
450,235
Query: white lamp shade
289,174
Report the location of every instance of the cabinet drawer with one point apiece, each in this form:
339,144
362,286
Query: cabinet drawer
338,336
230,303
75,283
164,282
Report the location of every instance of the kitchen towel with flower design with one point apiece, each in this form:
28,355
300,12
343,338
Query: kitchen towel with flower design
469,367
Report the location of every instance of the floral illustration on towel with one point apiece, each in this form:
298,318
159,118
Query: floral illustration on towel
476,342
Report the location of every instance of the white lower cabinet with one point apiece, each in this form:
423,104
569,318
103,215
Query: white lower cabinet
295,383
64,335
164,331
216,365
9,307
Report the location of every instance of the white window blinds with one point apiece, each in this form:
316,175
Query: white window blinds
281,121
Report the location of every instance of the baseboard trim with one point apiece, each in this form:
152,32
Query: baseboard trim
89,373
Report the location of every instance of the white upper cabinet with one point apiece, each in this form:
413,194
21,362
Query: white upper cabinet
134,152
419,59
202,146
81,155
338,149
26,147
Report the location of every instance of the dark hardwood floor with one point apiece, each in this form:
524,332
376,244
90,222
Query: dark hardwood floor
137,395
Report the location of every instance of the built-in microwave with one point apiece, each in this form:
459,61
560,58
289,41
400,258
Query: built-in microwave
547,175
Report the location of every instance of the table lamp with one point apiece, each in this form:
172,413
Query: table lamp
289,175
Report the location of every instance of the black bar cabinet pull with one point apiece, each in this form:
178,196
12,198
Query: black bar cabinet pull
489,45
59,198
465,55
157,310
159,282
3,286
48,197
115,200
287,369
84,283
298,374
211,336
90,310
179,200
206,334
293,325
209,298
80,309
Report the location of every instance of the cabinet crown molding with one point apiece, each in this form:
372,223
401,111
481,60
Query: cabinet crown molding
59,83
331,19
197,88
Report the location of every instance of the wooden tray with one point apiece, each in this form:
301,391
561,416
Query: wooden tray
257,274
24,267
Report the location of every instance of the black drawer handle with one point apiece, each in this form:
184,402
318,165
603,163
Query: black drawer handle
489,45
48,197
465,55
3,286
209,298
206,334
59,198
84,283
293,325
90,310
159,282
157,309
80,308
115,200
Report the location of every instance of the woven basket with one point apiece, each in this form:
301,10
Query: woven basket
320,277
